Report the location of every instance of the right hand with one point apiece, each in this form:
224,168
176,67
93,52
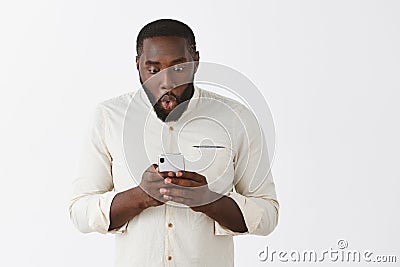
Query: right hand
151,183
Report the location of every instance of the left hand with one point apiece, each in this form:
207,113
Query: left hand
188,188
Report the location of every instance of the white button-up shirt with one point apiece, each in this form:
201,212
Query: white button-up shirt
174,235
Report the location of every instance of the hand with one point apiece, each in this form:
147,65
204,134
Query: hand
150,185
188,188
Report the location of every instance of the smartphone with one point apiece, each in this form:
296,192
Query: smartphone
171,162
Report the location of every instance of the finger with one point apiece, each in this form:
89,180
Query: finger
177,192
181,182
151,179
191,175
154,194
154,190
165,174
181,200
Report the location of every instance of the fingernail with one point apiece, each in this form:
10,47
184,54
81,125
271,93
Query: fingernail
179,174
167,180
163,190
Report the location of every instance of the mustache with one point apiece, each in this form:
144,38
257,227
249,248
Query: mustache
153,99
169,93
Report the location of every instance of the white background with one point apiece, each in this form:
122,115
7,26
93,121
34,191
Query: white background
329,70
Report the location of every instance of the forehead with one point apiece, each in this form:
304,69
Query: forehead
164,47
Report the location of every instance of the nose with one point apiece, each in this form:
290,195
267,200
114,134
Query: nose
166,80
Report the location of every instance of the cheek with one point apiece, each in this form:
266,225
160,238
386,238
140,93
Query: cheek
150,82
179,90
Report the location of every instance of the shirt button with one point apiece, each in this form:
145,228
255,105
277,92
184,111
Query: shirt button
169,258
170,225
171,128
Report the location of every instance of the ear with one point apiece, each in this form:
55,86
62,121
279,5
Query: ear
137,62
196,59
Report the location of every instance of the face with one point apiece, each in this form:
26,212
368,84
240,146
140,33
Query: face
166,74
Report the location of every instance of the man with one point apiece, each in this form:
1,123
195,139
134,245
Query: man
183,218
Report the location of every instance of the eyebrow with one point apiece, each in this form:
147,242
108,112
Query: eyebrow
175,61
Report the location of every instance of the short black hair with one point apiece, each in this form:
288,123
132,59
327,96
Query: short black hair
166,27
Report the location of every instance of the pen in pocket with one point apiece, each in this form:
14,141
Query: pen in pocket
208,146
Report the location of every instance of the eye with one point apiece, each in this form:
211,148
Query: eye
179,68
153,70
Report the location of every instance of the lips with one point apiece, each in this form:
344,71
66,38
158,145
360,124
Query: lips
168,102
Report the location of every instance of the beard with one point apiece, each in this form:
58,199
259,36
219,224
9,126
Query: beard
162,106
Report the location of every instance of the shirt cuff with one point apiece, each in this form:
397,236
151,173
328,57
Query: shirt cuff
103,224
251,212
119,230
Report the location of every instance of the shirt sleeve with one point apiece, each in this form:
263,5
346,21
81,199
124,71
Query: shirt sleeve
93,189
254,186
